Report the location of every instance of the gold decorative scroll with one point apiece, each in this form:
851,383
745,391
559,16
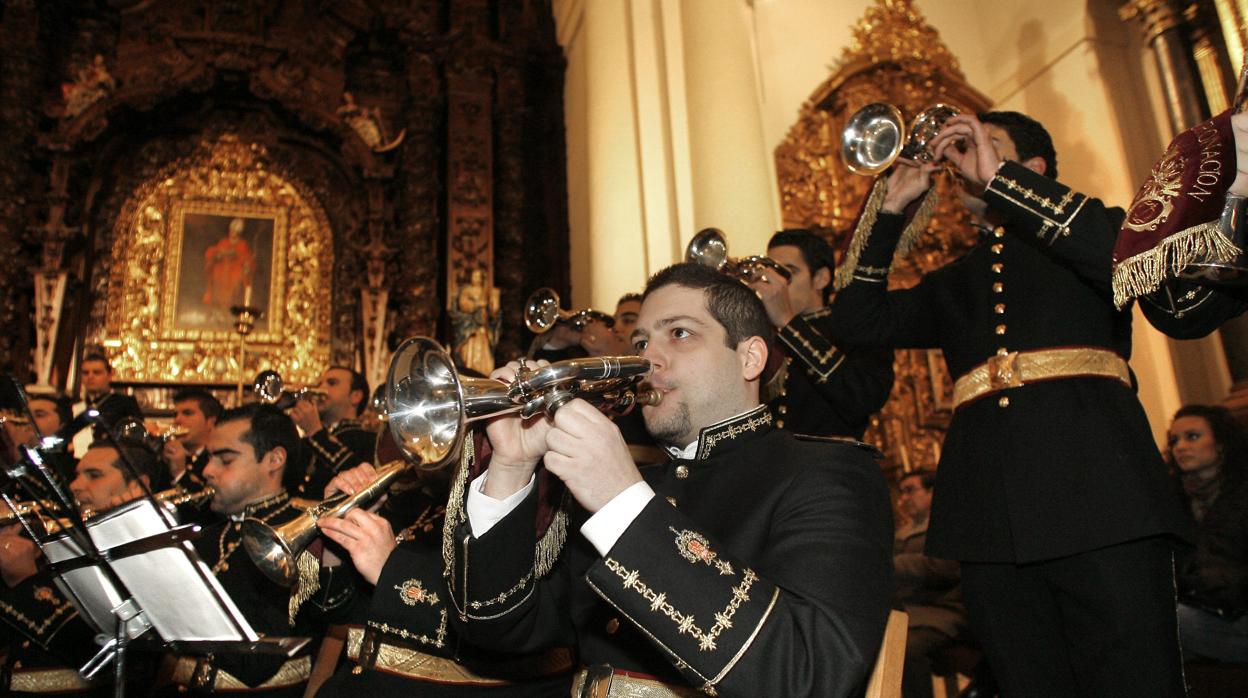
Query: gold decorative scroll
894,57
147,326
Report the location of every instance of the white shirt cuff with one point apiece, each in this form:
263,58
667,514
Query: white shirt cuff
484,511
605,528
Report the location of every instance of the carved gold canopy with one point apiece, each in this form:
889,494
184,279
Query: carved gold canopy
176,270
894,57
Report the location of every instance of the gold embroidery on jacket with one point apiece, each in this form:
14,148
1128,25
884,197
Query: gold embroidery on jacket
438,641
524,581
36,628
733,432
695,548
685,623
413,592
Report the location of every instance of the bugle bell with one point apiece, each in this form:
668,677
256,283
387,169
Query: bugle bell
710,249
270,389
875,136
542,312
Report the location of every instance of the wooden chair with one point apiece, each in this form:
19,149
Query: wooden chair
886,677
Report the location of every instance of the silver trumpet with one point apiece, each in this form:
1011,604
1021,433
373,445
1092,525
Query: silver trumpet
270,389
875,136
710,249
542,313
429,406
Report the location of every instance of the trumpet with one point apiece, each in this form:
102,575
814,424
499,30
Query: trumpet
429,406
270,389
710,249
26,510
542,313
875,136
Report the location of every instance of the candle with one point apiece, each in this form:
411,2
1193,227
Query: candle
247,295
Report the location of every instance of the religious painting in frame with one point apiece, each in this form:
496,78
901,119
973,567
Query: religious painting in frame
222,256
222,226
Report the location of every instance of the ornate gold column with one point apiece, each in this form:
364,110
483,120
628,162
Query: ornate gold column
1164,32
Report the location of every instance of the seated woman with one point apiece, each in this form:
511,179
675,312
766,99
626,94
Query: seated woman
1209,454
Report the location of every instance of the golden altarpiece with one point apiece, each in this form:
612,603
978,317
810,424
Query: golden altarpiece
894,57
352,169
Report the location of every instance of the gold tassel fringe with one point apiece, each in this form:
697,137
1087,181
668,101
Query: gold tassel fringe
862,232
1144,273
309,582
455,502
551,543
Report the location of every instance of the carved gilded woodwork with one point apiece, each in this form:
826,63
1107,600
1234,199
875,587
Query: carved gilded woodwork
896,57
226,178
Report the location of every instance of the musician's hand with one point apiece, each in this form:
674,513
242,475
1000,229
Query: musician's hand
175,456
18,556
306,417
518,443
1239,128
773,289
977,158
353,480
562,336
588,453
599,340
365,535
907,182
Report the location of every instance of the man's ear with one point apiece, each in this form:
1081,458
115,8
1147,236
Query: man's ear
821,279
361,400
1036,164
752,353
274,460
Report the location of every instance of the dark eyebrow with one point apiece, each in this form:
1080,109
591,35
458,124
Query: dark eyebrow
223,451
680,318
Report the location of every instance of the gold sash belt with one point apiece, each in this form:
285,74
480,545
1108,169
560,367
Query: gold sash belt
415,664
59,680
193,671
1005,371
607,683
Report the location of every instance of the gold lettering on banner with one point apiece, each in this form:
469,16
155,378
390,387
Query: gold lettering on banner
1210,170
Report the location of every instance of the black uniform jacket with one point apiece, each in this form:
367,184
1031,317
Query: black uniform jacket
264,604
1185,310
328,451
762,567
1049,468
41,627
410,608
825,391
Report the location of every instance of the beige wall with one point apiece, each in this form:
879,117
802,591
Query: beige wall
674,109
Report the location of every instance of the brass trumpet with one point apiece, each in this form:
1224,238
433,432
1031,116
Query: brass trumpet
26,510
270,390
133,430
429,406
710,249
39,510
875,136
542,313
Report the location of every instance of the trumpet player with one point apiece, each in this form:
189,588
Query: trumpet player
47,640
249,449
754,562
196,411
818,388
334,439
1052,493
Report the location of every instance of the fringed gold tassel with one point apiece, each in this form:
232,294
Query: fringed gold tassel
308,583
551,543
858,243
455,502
917,226
1144,273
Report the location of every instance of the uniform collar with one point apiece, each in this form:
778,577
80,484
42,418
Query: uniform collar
264,506
732,431
345,423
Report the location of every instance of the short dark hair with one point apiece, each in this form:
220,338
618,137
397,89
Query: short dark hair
926,477
628,297
1031,140
268,428
96,356
64,406
208,403
816,252
733,304
1230,438
143,460
360,383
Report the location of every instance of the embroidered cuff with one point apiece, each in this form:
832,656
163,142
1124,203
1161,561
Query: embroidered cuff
803,340
484,511
698,607
1041,203
604,528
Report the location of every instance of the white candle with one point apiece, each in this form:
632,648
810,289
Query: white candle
247,295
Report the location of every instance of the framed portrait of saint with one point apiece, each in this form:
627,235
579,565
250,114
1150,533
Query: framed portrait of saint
219,257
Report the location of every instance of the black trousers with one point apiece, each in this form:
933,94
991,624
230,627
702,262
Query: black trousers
1096,624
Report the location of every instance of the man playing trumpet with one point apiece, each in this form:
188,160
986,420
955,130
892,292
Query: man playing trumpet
753,563
334,439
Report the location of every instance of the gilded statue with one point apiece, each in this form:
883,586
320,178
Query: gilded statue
476,322
92,83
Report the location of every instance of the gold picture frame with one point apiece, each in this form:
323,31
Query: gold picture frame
158,269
